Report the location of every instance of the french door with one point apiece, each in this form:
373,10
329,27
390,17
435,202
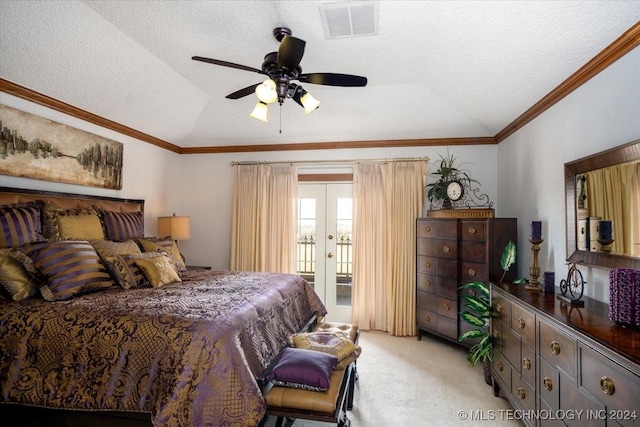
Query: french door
324,257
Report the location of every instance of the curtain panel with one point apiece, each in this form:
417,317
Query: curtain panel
263,225
387,200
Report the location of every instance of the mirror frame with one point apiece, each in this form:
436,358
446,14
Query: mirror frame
622,154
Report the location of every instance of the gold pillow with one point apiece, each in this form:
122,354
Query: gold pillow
158,271
154,244
80,225
332,343
107,248
16,282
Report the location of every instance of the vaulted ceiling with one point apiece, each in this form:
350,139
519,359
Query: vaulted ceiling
435,69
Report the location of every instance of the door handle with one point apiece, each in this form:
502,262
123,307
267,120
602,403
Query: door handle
330,255
330,237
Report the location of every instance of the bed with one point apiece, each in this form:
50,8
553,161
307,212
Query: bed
181,353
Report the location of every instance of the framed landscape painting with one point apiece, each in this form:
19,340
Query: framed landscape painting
38,148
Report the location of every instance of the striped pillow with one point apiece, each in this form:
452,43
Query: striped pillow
68,268
123,226
20,224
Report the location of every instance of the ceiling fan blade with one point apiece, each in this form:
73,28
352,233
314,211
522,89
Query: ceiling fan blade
243,92
290,52
333,79
227,64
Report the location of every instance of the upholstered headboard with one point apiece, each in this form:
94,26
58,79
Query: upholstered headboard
10,196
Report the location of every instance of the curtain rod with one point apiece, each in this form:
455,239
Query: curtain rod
312,162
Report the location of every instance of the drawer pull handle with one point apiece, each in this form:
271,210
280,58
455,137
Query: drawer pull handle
496,335
471,292
472,230
526,363
427,229
555,347
472,272
446,306
446,249
499,308
427,319
547,383
521,323
427,264
499,366
427,283
606,384
521,393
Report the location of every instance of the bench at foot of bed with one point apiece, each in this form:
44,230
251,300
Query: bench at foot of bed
290,404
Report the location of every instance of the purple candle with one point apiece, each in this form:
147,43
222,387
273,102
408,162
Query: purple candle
605,232
536,230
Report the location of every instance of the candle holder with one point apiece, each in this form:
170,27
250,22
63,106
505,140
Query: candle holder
606,244
534,269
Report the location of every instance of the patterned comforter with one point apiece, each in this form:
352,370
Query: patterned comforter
188,353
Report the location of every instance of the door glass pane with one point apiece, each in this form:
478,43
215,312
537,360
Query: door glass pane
306,258
344,253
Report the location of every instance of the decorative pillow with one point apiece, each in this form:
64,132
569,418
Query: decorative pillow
125,270
158,270
15,281
79,224
122,226
107,248
68,268
331,343
155,244
19,224
304,369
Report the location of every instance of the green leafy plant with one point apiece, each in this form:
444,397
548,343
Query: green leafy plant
446,172
508,258
477,312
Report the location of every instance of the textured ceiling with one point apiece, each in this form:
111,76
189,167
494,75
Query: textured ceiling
435,69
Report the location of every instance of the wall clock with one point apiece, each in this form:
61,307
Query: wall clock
455,191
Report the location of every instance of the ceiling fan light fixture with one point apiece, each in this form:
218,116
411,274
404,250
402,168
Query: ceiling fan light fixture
305,99
309,102
266,91
260,112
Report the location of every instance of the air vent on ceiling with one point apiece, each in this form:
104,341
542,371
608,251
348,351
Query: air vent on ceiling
350,19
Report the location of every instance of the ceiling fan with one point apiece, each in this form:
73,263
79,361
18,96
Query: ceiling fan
282,69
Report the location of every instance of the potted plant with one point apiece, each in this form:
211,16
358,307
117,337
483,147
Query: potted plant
477,312
447,173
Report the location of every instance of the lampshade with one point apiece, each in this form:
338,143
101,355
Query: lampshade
178,227
260,112
266,91
305,99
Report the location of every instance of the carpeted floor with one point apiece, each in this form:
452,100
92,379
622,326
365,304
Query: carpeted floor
406,382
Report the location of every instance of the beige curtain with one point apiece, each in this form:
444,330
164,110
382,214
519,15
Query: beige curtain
263,224
387,200
612,194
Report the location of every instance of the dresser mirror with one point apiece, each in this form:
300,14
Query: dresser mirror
577,207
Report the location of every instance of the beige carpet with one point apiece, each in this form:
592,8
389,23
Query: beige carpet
406,382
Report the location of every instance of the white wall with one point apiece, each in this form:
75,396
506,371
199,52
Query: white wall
208,182
601,114
149,172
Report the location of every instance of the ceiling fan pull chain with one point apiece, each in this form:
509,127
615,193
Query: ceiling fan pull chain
280,118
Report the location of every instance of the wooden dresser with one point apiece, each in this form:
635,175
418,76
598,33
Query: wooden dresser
568,365
451,252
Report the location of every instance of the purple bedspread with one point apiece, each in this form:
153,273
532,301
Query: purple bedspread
188,353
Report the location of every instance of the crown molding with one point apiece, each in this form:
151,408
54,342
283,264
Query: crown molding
15,89
334,145
616,50
620,47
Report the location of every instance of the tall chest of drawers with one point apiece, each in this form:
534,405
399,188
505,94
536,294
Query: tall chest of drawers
451,252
